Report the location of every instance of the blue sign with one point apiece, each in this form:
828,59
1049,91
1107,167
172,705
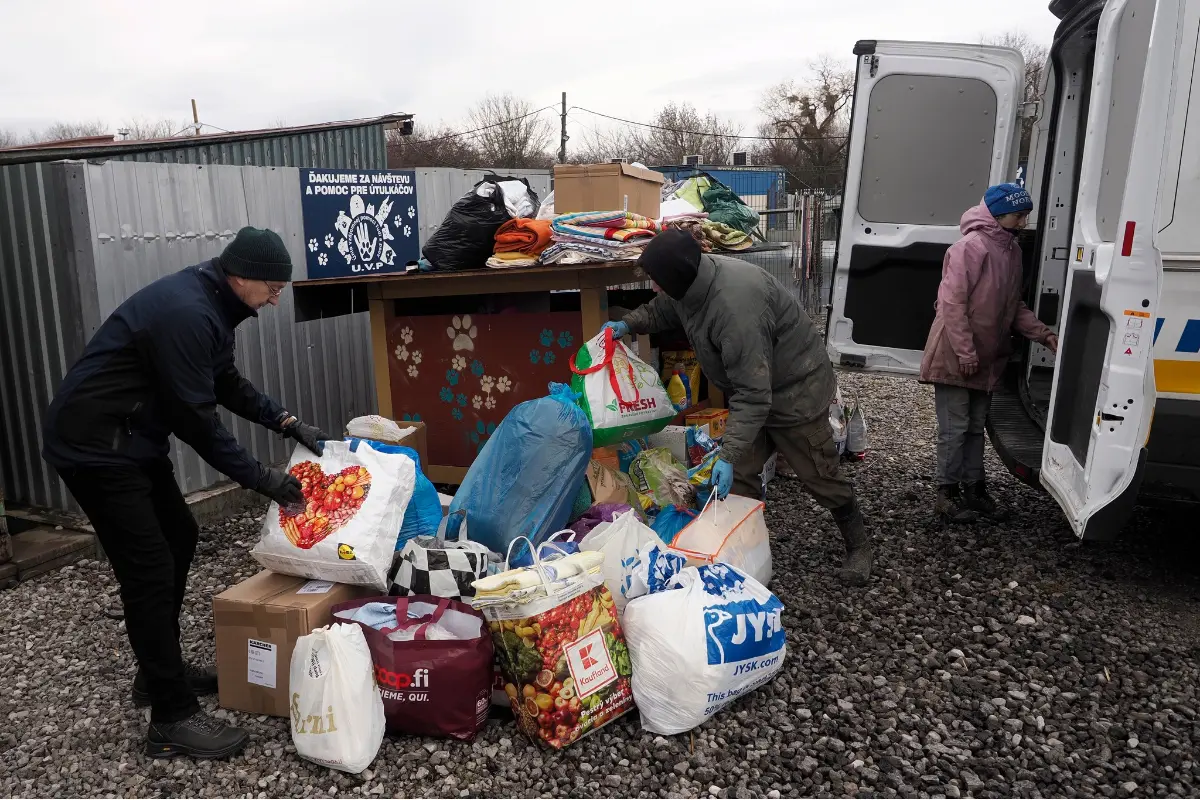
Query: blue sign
359,223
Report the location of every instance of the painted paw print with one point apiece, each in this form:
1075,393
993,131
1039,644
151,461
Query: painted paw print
487,383
461,400
547,338
565,339
411,418
412,371
416,356
462,333
477,368
397,220
452,377
548,358
457,414
322,259
446,395
407,231
458,363
312,245
489,403
504,384
482,433
476,402
401,353
329,240
406,335
535,356
412,212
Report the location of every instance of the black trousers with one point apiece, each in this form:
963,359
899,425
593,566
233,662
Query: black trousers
149,535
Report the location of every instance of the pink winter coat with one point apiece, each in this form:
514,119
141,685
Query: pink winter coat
979,306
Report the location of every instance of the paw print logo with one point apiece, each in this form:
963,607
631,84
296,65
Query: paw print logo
446,395
535,356
462,333
489,403
406,335
481,434
458,363
487,383
461,400
457,414
397,220
412,371
452,377
477,368
416,356
503,385
329,240
401,353
547,338
322,259
565,339
407,231
312,245
412,212
476,402
548,358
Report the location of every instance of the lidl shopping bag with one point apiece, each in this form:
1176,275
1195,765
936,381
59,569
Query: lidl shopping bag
337,713
731,531
356,494
699,637
623,396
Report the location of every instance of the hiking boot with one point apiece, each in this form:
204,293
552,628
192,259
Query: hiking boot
203,680
978,500
198,736
856,566
951,505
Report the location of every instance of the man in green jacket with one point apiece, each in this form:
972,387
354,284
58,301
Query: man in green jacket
755,343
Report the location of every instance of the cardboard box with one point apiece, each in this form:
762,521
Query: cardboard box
257,624
713,419
608,457
673,438
607,187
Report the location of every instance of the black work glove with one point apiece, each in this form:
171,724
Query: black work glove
310,436
280,487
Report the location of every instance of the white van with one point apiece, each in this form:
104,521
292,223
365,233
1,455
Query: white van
1112,254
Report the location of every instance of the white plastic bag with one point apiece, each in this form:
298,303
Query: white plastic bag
346,532
337,713
732,531
700,638
837,421
517,199
376,428
547,209
619,542
623,396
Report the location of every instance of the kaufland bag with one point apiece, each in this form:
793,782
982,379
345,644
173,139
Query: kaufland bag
699,638
355,499
337,714
623,396
732,531
433,663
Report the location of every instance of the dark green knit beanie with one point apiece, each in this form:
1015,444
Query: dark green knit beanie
258,254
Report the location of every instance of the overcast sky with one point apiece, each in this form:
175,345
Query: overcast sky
252,63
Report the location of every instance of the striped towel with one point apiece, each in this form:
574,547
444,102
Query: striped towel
618,226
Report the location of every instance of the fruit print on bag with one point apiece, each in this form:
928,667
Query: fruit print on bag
330,502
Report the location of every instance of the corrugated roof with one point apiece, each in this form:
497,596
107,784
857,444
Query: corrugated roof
101,147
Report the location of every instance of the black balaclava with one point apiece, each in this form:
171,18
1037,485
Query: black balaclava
671,260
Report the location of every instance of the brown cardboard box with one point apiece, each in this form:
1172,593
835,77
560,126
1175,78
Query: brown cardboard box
257,624
713,419
607,187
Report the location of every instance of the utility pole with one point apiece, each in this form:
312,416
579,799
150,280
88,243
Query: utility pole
562,146
195,118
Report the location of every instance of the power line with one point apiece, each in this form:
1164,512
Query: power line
485,127
709,133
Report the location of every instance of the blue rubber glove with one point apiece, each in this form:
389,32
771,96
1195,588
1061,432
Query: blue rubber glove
619,329
722,478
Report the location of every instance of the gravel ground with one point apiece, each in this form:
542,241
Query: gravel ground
987,661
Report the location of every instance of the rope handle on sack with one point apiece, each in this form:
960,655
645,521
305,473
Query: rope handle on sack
610,350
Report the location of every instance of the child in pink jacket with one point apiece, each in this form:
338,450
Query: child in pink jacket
979,306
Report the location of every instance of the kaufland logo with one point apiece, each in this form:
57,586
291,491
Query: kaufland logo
585,656
590,664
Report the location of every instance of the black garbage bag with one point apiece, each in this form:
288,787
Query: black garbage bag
467,236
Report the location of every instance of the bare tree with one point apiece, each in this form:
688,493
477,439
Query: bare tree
140,128
8,138
68,130
511,135
1035,56
808,125
600,146
436,147
680,132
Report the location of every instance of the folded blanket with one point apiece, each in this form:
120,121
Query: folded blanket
693,226
526,236
580,253
620,226
509,260
725,237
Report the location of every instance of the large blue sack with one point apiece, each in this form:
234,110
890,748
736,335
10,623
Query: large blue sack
424,512
527,476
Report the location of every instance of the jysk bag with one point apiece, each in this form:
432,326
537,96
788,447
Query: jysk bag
355,499
622,395
433,663
430,565
732,531
700,638
337,714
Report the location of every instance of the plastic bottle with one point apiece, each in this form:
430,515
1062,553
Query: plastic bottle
677,390
687,383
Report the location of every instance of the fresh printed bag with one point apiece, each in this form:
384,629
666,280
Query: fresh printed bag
622,395
355,498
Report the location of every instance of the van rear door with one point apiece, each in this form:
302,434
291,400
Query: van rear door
1102,402
933,126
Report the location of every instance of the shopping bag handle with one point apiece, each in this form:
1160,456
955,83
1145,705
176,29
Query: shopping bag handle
610,349
462,528
403,620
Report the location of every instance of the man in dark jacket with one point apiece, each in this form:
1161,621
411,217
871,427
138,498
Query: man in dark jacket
755,343
160,365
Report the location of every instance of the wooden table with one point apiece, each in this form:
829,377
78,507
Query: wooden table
438,358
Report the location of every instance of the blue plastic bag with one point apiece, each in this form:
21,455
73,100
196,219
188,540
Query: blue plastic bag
424,512
670,521
527,476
